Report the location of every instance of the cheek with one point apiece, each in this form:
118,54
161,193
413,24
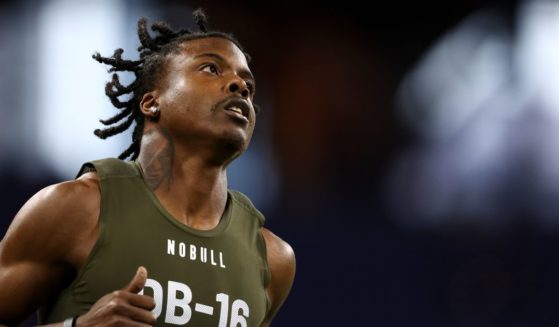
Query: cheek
180,89
177,95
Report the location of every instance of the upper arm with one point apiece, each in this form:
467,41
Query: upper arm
39,246
281,262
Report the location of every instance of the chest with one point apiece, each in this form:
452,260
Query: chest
212,281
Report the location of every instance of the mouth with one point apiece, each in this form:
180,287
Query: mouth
238,108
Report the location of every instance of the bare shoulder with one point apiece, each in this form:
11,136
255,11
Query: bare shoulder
47,221
279,251
281,261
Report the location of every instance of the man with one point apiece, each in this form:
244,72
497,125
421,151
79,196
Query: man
159,240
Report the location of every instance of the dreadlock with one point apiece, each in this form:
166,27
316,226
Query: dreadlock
153,53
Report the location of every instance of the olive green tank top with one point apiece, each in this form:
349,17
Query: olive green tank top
214,278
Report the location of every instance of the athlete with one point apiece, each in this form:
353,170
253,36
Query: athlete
160,239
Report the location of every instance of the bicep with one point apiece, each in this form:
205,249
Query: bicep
23,286
25,278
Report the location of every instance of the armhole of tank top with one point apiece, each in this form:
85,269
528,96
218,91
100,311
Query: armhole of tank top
266,274
238,197
98,243
245,202
85,168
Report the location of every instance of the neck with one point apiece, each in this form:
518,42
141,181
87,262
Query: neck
191,188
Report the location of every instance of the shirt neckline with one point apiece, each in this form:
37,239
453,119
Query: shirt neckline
218,229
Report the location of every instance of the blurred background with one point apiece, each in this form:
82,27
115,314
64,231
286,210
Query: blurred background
406,149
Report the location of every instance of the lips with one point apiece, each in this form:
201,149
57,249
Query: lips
238,107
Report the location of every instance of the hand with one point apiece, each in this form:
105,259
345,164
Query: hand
124,307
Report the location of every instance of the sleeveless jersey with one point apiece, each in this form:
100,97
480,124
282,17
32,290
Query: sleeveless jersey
198,278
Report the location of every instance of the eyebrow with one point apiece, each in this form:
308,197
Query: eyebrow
244,73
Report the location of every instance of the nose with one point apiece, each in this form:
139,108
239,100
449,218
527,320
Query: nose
238,86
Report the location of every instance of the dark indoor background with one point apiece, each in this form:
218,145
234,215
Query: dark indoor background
399,214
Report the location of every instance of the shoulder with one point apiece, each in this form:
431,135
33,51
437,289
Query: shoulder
46,223
281,262
60,202
279,250
55,203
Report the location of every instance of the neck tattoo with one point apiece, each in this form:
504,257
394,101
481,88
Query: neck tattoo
159,160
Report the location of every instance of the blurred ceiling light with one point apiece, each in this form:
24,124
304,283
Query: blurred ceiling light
71,99
484,105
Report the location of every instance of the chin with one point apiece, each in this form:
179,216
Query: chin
234,142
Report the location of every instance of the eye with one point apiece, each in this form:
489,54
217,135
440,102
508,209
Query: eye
210,68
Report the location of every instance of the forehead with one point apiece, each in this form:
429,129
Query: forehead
216,45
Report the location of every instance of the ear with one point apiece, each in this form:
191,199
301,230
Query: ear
148,101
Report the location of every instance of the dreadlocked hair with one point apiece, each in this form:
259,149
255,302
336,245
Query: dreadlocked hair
153,53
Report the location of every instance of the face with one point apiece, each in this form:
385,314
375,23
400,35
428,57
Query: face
205,95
